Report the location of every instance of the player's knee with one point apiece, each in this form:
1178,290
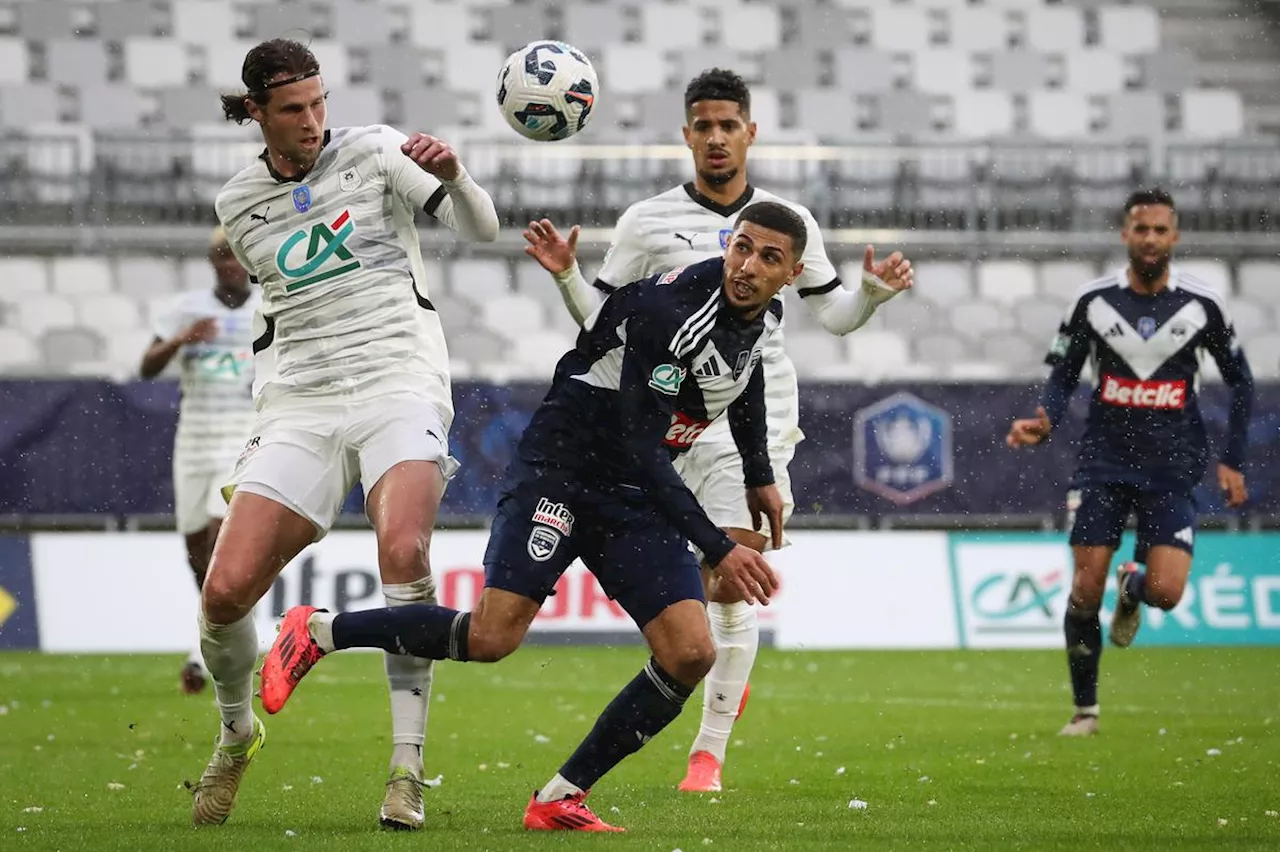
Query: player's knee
1087,589
222,601
403,557
689,662
1163,593
490,646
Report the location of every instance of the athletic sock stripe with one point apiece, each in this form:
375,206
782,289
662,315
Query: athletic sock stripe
657,680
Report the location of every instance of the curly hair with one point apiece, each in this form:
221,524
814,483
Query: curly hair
262,64
1144,197
718,84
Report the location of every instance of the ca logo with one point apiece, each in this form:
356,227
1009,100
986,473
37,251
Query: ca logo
326,243
666,378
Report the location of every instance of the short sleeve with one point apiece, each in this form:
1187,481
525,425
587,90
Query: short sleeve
627,260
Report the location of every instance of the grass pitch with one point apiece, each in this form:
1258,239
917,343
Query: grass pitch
949,750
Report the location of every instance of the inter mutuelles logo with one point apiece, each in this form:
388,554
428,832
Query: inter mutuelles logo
326,254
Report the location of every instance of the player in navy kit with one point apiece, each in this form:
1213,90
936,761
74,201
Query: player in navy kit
593,478
1144,449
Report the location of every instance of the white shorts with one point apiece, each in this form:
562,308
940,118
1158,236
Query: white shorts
713,472
308,455
197,496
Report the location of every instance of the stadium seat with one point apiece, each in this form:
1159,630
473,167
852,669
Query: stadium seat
477,280
18,354
1129,29
750,26
1212,114
46,19
1056,29
202,21
80,276
195,273
441,24
1213,273
876,354
632,69
28,103
145,277
978,29
943,283
108,312
1060,279
1015,353
223,61
910,315
153,62
1006,281
62,348
977,320
975,371
76,62
821,27
862,70
113,106
1168,73
940,349
124,351
828,113
1019,71
1264,356
512,315
357,105
943,72
1251,319
1059,115
810,351
1257,279
23,275
1094,72
184,106
480,348
1038,318
982,114
537,353
38,312
1134,115
899,28
671,26
513,25
125,19
361,24
13,60
792,68
592,26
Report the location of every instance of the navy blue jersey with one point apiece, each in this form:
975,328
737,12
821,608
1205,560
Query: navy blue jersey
653,367
1144,425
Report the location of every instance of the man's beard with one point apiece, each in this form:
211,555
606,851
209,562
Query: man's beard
1148,272
718,178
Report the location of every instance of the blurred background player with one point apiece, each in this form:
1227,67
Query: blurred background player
351,383
211,332
593,478
680,226
1144,449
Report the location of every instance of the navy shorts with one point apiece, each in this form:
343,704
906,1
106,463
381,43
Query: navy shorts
1101,512
544,522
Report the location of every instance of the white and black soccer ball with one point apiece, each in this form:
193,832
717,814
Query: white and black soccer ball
547,90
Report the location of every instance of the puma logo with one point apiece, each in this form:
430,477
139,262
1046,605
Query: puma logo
688,240
261,217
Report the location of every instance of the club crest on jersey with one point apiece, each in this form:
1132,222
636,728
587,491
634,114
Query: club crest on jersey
746,362
543,542
302,199
349,180
326,254
666,378
1146,327
725,234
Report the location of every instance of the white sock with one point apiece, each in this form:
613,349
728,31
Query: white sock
230,652
736,633
558,788
410,681
320,626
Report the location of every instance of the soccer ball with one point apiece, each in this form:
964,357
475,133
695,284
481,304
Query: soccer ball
546,90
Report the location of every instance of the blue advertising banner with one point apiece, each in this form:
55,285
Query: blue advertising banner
19,625
1011,591
73,447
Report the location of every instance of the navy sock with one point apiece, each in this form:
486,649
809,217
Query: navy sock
419,630
644,707
1084,651
1136,587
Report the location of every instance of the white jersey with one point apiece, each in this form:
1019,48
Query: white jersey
216,412
682,226
344,292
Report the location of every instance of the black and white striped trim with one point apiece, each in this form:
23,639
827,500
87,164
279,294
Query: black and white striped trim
696,327
658,681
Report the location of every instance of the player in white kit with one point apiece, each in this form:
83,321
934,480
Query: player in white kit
351,382
210,332
681,226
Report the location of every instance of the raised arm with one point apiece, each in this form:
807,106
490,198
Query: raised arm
427,173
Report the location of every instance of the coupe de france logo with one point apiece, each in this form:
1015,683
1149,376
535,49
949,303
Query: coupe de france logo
902,449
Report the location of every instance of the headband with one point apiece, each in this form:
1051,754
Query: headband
287,80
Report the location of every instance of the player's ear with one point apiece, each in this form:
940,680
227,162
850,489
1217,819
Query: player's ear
751,132
256,112
684,131
796,272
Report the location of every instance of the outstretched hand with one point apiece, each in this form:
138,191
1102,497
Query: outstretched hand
555,253
1029,431
434,156
895,270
